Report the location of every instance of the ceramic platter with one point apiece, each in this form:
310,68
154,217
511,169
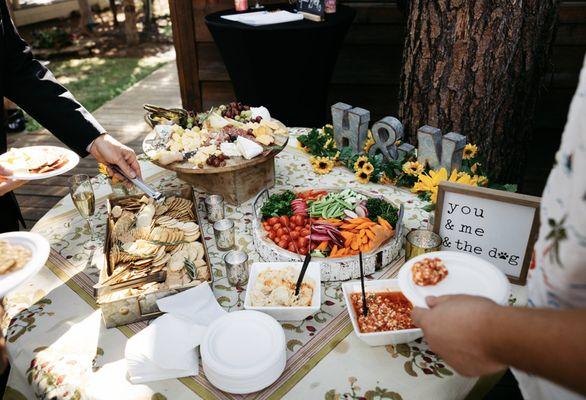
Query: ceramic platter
467,274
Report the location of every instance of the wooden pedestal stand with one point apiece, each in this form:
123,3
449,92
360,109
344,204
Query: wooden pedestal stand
236,186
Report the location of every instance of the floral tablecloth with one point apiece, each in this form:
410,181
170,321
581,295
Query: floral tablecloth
59,347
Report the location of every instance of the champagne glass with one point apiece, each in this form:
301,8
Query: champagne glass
82,194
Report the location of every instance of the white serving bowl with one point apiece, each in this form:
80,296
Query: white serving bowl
377,338
286,313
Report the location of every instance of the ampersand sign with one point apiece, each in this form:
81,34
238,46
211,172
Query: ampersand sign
385,133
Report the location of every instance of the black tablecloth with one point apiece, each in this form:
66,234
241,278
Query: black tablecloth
285,67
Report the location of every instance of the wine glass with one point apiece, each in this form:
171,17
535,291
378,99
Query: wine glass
82,194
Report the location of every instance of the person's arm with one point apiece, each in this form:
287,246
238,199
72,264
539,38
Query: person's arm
6,184
476,337
34,88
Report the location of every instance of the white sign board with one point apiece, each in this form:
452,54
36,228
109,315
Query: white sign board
497,226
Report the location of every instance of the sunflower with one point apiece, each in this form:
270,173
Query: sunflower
322,165
470,151
474,167
362,176
481,180
368,168
369,142
360,163
413,168
430,182
301,146
385,180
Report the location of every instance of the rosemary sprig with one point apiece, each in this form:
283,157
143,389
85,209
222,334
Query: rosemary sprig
190,268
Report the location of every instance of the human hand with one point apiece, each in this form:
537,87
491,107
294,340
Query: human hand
6,184
458,328
3,351
109,151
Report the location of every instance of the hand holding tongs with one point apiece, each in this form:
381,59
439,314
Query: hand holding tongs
139,183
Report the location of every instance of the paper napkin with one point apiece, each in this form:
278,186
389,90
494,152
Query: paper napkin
167,348
260,18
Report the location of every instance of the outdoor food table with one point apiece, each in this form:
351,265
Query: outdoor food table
59,347
283,65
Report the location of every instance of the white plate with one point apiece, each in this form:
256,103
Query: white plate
38,246
243,352
286,313
72,161
467,274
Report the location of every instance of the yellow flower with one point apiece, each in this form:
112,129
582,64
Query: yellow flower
385,180
322,165
481,180
329,126
369,142
470,151
413,168
336,156
300,146
362,176
360,163
368,168
430,182
474,167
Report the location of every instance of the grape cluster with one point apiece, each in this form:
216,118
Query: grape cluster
233,109
217,161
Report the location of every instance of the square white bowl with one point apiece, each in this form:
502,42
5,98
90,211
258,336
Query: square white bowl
377,338
286,313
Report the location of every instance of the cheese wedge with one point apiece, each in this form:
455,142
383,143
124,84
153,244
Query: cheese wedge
248,148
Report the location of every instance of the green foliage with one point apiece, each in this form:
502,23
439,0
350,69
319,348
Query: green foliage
53,38
278,204
319,143
385,210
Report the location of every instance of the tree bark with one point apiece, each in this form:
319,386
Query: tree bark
114,12
85,16
130,29
475,67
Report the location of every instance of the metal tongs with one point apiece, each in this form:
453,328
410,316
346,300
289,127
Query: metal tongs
139,183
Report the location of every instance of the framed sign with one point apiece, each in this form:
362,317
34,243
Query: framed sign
498,226
312,9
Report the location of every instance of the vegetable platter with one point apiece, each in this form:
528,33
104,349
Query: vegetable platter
234,142
342,223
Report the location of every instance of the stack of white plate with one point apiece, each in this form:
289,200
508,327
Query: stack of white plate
244,352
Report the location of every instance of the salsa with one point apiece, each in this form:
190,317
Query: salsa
429,272
387,311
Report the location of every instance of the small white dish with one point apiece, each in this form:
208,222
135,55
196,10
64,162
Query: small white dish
377,338
39,248
467,274
286,313
244,352
24,175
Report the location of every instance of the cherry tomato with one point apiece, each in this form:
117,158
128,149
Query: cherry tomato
302,241
305,232
272,235
286,237
281,232
303,251
284,220
273,220
277,226
298,228
292,248
294,235
282,243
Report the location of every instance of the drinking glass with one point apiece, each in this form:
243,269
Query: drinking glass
82,195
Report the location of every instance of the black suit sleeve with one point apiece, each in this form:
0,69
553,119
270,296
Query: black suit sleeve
34,88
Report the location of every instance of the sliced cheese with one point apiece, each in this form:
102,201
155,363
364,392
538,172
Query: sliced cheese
230,149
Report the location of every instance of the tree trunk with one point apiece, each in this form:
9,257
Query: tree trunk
86,19
114,12
147,10
130,29
475,67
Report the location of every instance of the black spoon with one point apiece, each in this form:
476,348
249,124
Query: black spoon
305,264
364,306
